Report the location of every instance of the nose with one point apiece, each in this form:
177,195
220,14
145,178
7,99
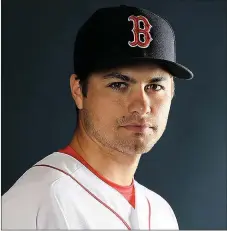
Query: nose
140,103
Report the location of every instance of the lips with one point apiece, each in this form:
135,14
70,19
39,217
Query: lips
137,128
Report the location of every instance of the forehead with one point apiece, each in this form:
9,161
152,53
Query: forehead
140,72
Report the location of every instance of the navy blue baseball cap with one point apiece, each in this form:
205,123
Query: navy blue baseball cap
122,35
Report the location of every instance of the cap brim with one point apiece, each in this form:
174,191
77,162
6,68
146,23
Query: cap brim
175,69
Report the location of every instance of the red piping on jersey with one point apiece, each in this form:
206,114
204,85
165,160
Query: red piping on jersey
104,204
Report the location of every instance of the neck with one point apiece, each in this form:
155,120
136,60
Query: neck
111,164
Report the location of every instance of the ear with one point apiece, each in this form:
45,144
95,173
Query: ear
76,91
172,87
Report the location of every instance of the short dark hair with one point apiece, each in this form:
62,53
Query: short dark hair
84,77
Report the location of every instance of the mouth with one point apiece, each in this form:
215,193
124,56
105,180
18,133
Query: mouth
138,128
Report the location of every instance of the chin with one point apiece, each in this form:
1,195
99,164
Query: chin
137,147
139,143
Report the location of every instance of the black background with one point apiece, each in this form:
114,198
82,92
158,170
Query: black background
187,166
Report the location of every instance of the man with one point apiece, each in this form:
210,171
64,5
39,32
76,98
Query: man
123,85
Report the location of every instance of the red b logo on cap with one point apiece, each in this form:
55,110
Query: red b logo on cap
138,31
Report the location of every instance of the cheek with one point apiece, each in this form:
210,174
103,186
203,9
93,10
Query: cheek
161,107
110,104
162,117
104,110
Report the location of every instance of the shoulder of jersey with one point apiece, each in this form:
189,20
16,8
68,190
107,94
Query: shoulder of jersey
36,191
40,179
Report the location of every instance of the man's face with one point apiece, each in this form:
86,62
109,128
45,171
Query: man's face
126,109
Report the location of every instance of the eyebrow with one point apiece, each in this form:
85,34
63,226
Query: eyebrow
126,78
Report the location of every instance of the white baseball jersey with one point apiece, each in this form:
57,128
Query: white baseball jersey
61,193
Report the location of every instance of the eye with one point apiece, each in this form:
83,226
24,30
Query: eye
155,87
118,86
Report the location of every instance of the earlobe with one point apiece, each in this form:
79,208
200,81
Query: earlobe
76,91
